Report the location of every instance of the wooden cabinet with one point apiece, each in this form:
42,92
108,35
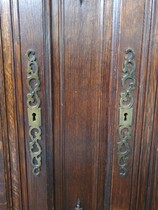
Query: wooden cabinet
85,59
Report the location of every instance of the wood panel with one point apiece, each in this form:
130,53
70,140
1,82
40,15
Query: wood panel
5,193
136,20
129,18
21,32
80,48
78,80
148,151
19,99
10,93
141,101
32,37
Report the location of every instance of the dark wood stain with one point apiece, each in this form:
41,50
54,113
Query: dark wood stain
80,47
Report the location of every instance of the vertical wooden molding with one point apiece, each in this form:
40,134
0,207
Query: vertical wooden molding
148,140
20,99
49,89
4,133
142,81
4,201
112,88
11,102
106,114
55,29
59,150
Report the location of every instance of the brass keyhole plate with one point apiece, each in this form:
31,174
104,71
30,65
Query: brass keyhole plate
126,111
34,112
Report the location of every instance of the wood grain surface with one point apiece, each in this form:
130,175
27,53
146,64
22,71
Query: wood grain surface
80,48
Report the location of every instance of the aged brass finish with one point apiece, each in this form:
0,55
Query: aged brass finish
34,112
126,116
126,111
78,205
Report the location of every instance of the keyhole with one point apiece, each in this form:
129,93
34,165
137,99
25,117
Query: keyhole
34,116
125,116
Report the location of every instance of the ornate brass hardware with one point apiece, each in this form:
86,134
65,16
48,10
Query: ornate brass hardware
78,205
126,111
34,112
126,115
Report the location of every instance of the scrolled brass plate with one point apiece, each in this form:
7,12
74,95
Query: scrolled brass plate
126,111
34,112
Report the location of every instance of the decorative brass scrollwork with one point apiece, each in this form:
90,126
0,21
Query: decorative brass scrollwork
34,112
126,111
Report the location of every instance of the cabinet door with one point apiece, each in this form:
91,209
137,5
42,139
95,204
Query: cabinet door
25,26
91,52
66,67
